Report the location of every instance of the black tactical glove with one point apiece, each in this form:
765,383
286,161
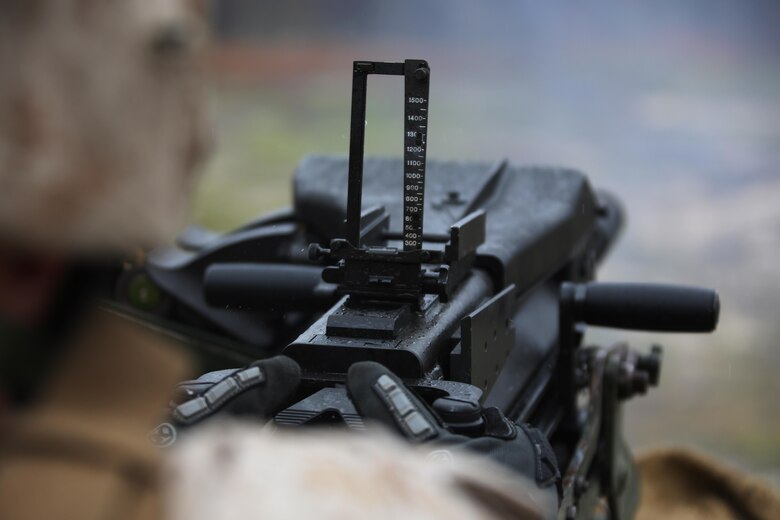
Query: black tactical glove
380,395
259,390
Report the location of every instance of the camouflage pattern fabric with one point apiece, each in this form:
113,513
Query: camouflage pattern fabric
679,484
101,121
82,453
336,475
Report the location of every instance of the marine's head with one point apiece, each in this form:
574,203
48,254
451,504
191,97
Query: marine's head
101,121
101,130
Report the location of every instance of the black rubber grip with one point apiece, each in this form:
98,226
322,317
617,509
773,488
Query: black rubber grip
641,306
265,286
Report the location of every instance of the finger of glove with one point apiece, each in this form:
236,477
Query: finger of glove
259,390
529,454
282,378
380,395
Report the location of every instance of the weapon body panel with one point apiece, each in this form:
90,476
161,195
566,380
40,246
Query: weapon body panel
484,306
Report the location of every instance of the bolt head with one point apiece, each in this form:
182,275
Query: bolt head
314,251
581,485
640,381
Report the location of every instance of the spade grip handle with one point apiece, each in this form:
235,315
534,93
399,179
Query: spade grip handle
643,306
264,286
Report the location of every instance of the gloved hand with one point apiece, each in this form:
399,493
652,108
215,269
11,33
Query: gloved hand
381,396
259,390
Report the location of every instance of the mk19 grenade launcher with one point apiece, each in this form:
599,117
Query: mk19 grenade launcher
484,305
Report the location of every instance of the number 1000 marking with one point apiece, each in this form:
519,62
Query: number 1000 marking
415,121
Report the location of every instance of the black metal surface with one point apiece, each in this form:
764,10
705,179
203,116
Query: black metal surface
267,286
618,473
416,85
382,273
466,235
487,337
357,320
642,306
585,449
368,271
487,307
527,371
458,403
180,273
537,219
417,81
326,406
412,354
357,137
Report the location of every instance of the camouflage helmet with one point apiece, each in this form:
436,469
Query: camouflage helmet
101,120
337,474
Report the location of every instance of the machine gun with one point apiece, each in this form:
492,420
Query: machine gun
484,306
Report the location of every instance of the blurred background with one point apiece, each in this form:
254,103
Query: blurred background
672,105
